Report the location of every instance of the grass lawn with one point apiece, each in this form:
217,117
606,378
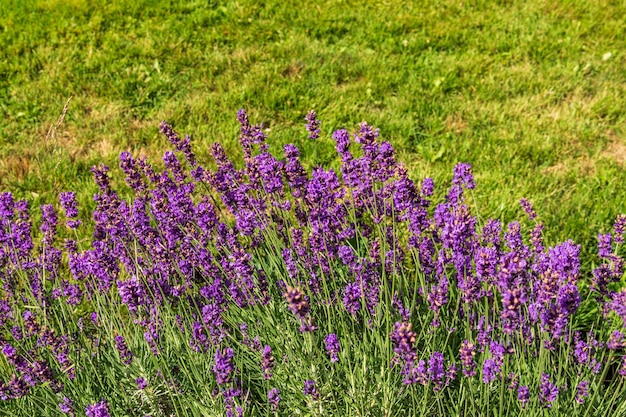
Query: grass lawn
532,94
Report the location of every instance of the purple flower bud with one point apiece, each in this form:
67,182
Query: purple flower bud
267,362
604,245
70,205
342,138
141,383
100,174
125,354
48,223
100,409
403,340
582,391
181,145
467,352
463,176
133,172
312,125
523,395
622,368
528,208
619,228
428,187
224,367
274,398
66,406
332,347
436,370
616,341
352,297
299,306
547,391
298,302
310,389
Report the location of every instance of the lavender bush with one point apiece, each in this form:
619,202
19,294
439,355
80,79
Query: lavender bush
271,290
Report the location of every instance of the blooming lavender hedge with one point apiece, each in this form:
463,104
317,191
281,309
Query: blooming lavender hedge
269,290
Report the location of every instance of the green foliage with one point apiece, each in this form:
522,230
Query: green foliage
532,94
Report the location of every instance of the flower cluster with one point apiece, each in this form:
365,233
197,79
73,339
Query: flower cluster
230,283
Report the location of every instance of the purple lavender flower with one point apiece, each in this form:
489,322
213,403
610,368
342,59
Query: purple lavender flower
267,362
300,307
7,206
536,239
617,303
547,391
250,135
437,297
436,370
490,370
467,351
298,302
463,176
224,367
290,263
616,340
311,389
132,293
267,172
181,145
274,398
70,205
512,302
492,366
133,172
528,208
66,406
48,223
404,312
332,346
312,125
403,340
342,138
352,297
415,373
568,298
100,174
513,381
428,187
523,395
100,409
619,228
451,373
604,246
294,171
125,354
141,383
582,391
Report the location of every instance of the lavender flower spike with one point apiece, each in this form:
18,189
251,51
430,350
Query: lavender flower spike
100,409
547,391
70,205
274,398
312,125
332,347
267,362
310,389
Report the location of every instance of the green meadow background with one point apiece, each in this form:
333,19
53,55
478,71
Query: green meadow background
531,93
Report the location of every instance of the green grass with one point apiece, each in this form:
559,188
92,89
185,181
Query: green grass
533,94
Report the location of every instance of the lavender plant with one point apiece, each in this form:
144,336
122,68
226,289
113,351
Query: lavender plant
271,290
